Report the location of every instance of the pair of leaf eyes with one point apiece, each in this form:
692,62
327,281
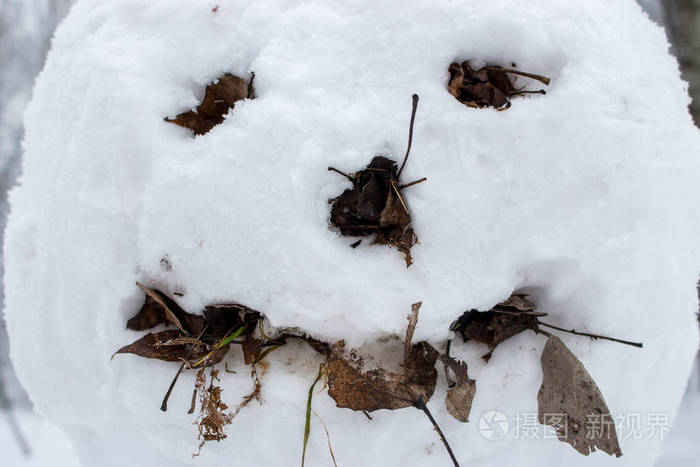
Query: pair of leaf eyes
489,86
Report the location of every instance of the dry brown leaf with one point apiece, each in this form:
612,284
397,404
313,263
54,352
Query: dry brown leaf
350,387
460,389
570,401
219,98
169,346
376,389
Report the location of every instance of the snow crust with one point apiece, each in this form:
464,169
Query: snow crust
586,198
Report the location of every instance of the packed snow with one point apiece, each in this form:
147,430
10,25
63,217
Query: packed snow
585,198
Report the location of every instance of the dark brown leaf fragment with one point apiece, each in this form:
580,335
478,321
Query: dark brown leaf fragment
220,96
502,322
251,347
150,315
489,86
570,401
159,308
222,319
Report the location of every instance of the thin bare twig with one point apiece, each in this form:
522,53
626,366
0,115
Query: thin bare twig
410,135
406,185
420,404
592,336
540,78
412,322
349,177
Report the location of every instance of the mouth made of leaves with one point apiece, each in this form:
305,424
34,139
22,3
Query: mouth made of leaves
220,97
375,205
369,383
489,86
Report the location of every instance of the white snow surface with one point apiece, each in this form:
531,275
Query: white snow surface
586,198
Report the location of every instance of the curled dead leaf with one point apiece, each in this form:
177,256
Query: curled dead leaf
220,96
570,401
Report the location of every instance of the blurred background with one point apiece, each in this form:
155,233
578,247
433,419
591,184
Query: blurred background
26,28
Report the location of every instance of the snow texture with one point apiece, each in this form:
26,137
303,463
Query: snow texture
681,445
25,32
49,445
586,198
